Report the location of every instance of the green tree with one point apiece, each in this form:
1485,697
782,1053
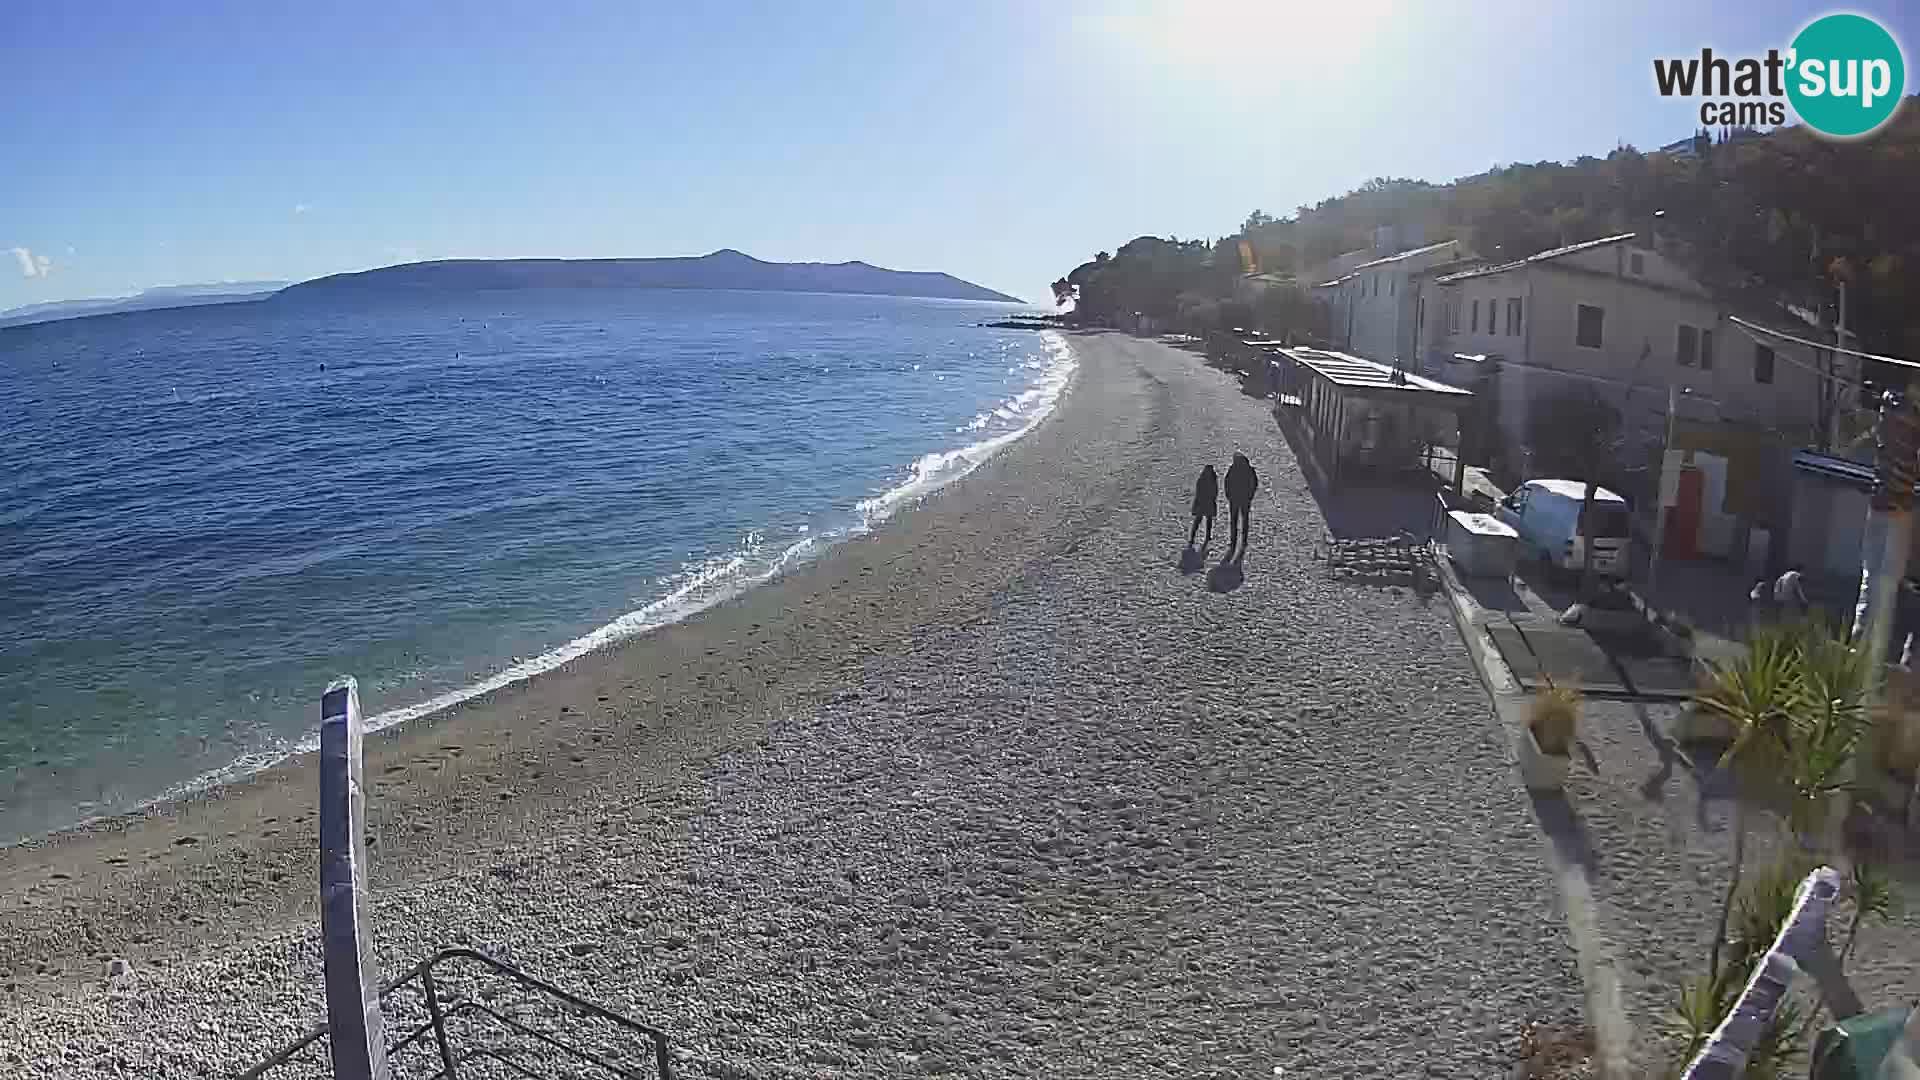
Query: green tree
1770,218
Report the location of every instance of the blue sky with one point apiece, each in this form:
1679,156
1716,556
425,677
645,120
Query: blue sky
152,144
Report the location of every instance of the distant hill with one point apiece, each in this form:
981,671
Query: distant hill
165,296
724,269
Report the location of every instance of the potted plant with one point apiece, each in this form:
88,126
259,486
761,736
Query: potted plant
1545,746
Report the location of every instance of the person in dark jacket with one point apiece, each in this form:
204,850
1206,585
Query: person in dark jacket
1241,483
1206,503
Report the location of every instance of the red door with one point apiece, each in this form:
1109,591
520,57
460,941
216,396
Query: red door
1683,518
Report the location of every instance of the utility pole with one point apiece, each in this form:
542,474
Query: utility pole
1665,495
1890,516
1831,392
1888,539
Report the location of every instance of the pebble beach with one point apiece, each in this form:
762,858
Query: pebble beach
1008,787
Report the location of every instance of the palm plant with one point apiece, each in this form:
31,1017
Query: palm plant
1872,899
1762,910
1760,695
1831,729
1797,706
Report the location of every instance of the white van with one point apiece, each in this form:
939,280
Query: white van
1546,514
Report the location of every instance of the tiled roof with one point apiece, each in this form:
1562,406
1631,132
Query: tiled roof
1551,253
1403,255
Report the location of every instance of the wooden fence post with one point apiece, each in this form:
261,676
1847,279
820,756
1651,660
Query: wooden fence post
356,1032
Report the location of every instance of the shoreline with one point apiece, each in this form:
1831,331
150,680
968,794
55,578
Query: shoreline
1009,787
501,737
687,599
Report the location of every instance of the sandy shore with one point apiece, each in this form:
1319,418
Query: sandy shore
1002,789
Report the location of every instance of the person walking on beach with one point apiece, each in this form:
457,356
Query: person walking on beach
1241,483
1206,503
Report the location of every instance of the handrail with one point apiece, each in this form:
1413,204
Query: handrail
1801,944
612,1067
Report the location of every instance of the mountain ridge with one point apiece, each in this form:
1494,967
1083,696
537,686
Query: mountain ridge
158,298
726,268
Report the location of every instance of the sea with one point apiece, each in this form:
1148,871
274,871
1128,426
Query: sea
207,514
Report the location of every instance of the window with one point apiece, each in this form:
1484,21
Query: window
1420,313
1474,325
1639,263
1694,346
1762,364
1609,519
1453,315
1513,316
1393,286
1589,322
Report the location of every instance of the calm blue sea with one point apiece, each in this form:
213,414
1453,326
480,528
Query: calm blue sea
206,514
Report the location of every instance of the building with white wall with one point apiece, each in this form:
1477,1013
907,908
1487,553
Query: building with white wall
1616,318
1614,313
1375,307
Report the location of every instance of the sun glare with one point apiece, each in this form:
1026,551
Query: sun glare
1247,41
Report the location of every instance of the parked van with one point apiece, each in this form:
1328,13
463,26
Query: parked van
1546,514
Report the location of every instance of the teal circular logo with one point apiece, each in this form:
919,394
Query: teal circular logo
1846,75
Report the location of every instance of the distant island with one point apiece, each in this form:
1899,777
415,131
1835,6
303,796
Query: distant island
164,296
724,269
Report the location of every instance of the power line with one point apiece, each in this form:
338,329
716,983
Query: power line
1755,328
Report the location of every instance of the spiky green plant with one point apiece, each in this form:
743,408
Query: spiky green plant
1759,695
1797,703
1830,728
1763,909
1872,892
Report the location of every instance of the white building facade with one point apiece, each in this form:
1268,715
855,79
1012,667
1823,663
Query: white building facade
1627,319
1624,322
1375,309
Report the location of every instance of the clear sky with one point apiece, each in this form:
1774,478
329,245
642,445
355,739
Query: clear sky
150,144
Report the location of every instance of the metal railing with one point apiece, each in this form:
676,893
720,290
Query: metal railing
509,1022
1801,946
456,1028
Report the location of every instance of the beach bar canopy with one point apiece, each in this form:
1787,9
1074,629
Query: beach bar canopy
1357,414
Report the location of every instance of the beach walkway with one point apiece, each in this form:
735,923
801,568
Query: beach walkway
999,791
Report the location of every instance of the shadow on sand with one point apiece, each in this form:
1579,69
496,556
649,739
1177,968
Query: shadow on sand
1492,594
1192,559
1368,506
1564,829
1227,575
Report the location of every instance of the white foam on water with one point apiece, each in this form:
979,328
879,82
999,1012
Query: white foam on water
702,585
1025,410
